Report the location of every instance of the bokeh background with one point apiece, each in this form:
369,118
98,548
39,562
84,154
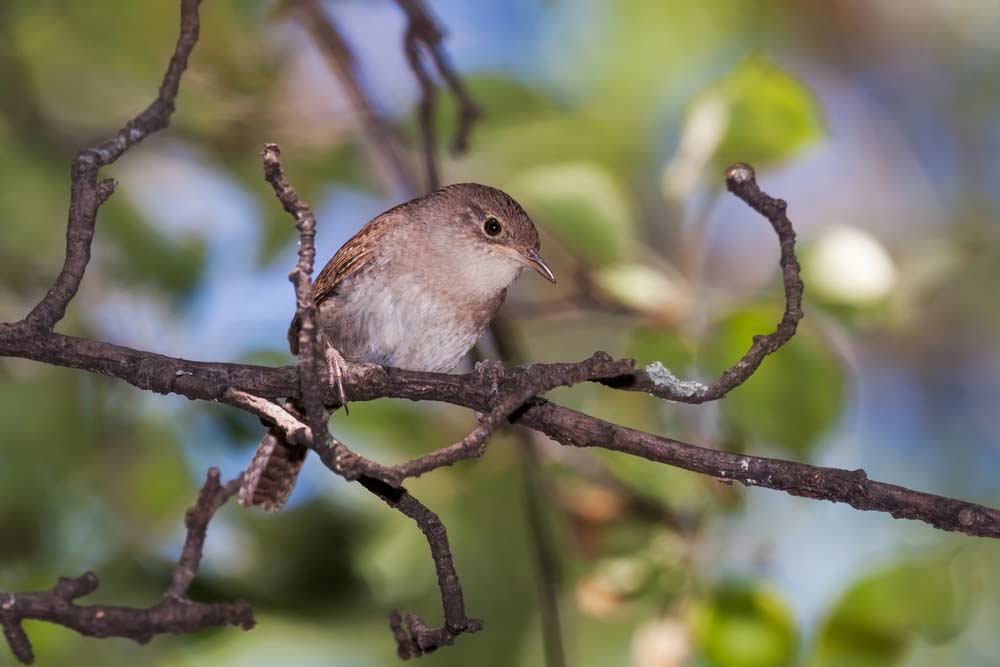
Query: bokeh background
612,122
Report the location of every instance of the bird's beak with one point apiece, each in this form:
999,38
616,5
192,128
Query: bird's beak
533,260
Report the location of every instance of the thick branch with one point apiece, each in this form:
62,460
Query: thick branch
799,479
174,614
365,382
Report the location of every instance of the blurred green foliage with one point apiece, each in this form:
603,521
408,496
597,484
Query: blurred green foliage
769,115
620,97
804,378
877,619
743,625
581,206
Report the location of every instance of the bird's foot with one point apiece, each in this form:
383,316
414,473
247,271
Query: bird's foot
490,373
335,373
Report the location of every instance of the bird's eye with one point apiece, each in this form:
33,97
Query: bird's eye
492,226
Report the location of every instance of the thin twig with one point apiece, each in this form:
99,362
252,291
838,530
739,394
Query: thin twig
380,141
425,108
533,383
424,33
174,614
659,381
430,33
291,428
212,496
414,637
87,194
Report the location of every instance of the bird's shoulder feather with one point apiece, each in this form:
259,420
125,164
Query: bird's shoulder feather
359,252
356,254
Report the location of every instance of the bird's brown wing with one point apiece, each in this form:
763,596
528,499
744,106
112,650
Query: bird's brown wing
352,257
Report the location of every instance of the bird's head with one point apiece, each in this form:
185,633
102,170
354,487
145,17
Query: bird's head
490,229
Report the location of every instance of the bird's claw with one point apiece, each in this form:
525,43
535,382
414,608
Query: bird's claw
335,372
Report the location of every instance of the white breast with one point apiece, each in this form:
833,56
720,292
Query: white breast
406,325
411,323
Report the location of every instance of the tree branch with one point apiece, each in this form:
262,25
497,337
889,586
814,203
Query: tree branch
657,380
423,32
380,140
87,195
503,395
174,614
365,382
416,638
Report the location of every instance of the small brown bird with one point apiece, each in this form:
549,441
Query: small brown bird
415,288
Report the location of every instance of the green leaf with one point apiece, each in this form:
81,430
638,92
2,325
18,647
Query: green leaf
651,344
645,289
769,115
506,101
148,256
794,396
744,625
582,205
877,619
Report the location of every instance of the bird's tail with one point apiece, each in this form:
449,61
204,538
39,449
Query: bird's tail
271,475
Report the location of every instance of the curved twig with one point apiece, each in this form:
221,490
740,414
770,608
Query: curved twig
174,614
502,395
415,637
423,32
535,381
87,194
657,380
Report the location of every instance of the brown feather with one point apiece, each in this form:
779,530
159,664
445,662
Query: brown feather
415,287
351,257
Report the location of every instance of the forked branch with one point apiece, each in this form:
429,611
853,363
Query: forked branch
501,395
176,613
